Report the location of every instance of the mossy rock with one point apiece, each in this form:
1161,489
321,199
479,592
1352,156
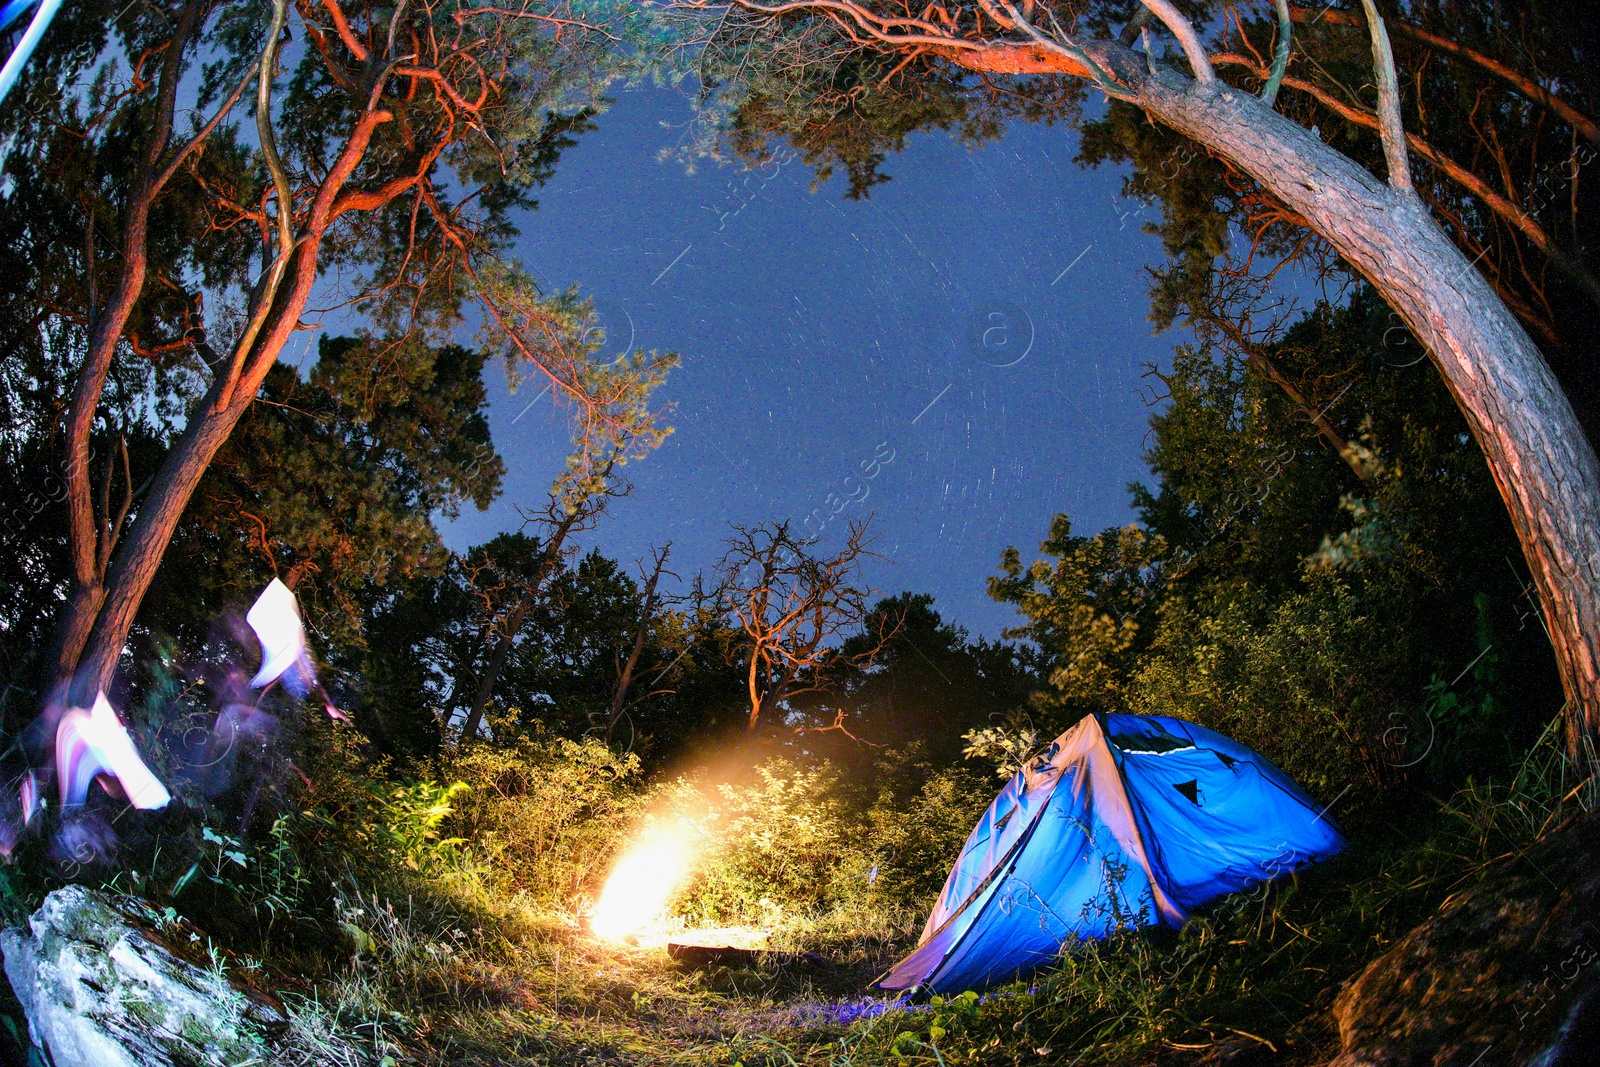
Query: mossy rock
1507,972
102,987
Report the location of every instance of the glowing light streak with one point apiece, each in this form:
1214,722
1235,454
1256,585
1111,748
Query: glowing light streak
30,797
30,40
10,12
275,617
94,744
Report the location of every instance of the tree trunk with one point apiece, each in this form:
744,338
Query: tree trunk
619,699
87,593
497,663
232,391
85,597
208,429
755,694
140,557
1541,461
548,562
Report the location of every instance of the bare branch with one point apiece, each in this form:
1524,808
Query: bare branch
1280,58
206,130
1187,36
1497,203
267,287
619,698
837,725
1523,84
793,610
1390,128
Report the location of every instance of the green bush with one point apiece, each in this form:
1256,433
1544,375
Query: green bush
798,843
784,843
1300,681
545,815
916,837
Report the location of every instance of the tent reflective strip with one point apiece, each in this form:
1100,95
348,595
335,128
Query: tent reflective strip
1003,826
1006,824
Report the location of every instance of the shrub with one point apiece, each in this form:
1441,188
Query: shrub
782,843
545,814
1301,682
916,838
805,844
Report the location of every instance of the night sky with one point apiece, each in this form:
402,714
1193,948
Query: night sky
966,347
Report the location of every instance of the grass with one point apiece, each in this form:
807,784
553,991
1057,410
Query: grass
471,974
417,923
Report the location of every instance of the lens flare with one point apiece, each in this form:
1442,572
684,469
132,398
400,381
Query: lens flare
641,886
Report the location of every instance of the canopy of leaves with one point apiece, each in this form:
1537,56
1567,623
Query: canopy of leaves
1372,630
331,483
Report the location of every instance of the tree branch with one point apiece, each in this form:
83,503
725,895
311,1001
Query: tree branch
1390,129
1280,59
1185,32
1585,126
341,25
1498,204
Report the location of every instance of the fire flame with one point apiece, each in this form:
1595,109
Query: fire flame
641,885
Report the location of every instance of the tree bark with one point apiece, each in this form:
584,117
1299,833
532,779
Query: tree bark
139,557
87,552
755,692
231,393
1541,460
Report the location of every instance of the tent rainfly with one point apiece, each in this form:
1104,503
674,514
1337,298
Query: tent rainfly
1125,821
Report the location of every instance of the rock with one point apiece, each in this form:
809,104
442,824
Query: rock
1506,972
101,988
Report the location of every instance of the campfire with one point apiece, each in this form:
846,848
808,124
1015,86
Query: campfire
635,906
635,900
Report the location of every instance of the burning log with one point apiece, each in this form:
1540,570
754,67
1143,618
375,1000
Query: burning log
704,956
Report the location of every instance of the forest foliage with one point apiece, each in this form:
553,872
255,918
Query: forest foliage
1322,570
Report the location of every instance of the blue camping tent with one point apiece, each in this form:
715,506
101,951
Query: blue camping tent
1124,821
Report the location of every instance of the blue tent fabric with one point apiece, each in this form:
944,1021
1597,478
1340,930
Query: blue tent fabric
1126,821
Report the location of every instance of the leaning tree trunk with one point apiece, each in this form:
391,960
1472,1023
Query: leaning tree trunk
88,545
213,420
506,636
210,425
1543,464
